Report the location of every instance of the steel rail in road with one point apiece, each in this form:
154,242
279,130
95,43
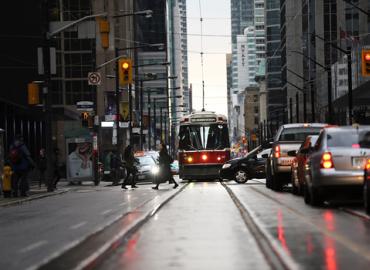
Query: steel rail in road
346,242
272,253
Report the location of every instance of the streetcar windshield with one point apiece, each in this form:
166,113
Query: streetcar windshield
204,137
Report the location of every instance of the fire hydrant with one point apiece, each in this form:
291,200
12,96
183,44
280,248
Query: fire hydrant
7,181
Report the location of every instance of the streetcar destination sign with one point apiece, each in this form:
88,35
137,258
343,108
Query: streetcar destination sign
206,120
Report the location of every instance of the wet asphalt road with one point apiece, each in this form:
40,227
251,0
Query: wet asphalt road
32,232
201,228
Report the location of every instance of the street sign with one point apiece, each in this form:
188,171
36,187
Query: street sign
85,106
94,78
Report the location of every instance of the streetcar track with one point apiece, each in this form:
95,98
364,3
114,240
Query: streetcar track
339,238
270,252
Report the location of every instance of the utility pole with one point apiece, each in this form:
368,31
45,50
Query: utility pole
48,98
141,113
149,123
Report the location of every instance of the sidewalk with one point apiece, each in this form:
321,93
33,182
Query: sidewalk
34,194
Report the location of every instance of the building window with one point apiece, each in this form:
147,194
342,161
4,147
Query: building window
256,120
255,98
255,109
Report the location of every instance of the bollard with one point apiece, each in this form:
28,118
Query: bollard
7,181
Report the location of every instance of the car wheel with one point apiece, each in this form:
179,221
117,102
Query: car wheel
315,198
306,195
295,190
275,184
241,176
367,196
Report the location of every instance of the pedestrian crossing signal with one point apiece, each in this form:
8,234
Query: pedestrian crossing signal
365,62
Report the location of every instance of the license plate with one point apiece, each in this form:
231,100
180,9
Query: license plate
358,162
285,161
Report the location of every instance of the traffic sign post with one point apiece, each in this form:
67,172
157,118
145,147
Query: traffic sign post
94,78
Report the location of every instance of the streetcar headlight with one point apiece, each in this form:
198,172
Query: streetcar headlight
204,157
190,159
155,170
226,165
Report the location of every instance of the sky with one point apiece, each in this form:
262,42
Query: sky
216,21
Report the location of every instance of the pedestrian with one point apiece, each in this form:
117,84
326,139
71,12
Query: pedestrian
115,165
22,163
56,170
165,173
42,165
130,164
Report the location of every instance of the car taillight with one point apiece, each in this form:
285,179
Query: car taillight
367,166
327,161
355,145
277,153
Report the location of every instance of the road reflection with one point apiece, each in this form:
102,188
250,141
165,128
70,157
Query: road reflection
330,248
281,233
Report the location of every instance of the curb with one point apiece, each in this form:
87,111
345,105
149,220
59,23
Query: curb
32,198
355,213
134,219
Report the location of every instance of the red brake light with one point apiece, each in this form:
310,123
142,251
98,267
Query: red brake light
204,157
327,161
277,151
355,145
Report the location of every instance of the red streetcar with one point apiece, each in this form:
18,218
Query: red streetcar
203,145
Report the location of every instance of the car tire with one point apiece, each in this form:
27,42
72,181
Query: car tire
295,189
241,176
276,184
306,195
367,196
315,197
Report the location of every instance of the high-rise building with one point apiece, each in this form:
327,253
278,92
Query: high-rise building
276,97
229,88
242,16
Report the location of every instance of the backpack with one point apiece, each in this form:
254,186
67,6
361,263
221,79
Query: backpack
15,155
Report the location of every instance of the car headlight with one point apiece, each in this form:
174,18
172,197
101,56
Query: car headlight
155,170
226,165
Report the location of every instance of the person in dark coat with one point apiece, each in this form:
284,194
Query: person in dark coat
130,162
21,162
42,165
165,161
56,170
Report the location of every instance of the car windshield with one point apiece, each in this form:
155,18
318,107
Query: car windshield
298,134
345,138
198,137
146,161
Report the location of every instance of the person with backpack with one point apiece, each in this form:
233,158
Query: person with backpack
21,162
165,173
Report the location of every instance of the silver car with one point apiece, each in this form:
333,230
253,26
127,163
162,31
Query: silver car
337,162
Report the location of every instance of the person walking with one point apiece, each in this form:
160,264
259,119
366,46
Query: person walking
21,162
42,166
131,161
115,165
56,170
165,161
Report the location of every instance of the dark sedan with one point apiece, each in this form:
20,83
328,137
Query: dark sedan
249,167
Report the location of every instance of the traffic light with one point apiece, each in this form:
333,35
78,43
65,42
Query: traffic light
125,71
33,94
85,119
365,62
104,33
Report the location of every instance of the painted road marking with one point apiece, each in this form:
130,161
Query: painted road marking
33,246
78,225
123,204
106,212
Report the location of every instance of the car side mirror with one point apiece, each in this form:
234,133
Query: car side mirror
265,156
266,144
292,153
